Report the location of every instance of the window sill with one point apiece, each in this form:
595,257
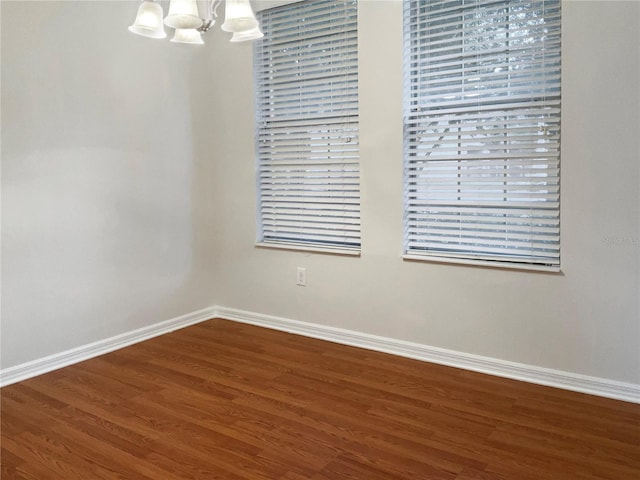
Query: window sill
483,263
352,252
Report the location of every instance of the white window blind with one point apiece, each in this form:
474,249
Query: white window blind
306,76
482,130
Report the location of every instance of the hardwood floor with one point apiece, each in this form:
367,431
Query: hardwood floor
222,400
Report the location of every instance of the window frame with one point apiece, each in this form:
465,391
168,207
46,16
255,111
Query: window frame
438,228
323,176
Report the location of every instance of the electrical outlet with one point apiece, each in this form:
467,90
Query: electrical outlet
301,276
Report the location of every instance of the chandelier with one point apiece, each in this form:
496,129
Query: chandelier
189,25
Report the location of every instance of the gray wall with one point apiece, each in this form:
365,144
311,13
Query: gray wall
585,320
128,189
106,204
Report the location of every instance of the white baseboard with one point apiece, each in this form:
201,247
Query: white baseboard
58,360
518,371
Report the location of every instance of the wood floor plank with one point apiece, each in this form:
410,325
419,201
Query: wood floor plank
9,464
224,400
42,460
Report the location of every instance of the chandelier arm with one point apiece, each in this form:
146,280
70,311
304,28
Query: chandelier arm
209,22
214,8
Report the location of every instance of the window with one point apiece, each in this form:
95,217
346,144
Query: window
482,132
306,78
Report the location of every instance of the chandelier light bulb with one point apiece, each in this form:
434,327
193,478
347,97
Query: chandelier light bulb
148,22
188,35
238,17
183,14
252,34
